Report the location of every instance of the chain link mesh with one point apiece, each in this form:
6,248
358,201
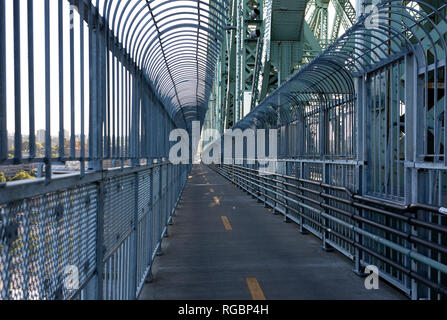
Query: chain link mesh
49,242
44,239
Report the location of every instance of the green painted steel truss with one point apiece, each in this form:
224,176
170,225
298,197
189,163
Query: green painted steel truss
265,42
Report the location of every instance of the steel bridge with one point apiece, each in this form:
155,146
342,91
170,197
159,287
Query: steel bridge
91,90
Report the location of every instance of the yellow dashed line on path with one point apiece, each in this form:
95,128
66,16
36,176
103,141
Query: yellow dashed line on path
227,224
255,289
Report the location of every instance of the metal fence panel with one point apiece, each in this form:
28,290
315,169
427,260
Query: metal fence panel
46,238
51,238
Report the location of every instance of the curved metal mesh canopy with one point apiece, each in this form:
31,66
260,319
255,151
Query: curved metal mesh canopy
176,43
391,30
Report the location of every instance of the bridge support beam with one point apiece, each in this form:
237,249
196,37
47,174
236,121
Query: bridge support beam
98,94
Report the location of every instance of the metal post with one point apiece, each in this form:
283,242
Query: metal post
159,220
18,83
48,171
411,152
300,219
360,170
325,234
150,225
97,64
100,249
3,127
134,244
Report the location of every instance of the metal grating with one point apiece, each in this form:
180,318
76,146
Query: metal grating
41,237
119,211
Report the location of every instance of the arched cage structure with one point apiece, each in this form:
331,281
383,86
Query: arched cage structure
392,32
175,44
360,129
82,82
361,145
117,76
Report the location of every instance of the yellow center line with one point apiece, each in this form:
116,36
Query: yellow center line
255,289
227,224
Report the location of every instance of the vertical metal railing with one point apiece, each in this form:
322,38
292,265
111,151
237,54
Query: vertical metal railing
102,233
71,91
330,211
3,127
368,115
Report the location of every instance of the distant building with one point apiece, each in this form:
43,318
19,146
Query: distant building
66,135
40,136
10,142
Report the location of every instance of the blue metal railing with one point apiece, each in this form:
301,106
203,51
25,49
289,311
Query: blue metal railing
101,233
367,114
81,81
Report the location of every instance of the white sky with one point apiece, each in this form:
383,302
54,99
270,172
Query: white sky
39,67
39,60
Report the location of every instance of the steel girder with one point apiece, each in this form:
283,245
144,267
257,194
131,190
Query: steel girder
318,19
366,46
254,67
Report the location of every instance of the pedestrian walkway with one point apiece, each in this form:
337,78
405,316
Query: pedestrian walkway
224,245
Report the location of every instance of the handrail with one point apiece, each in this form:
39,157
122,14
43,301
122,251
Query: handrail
254,181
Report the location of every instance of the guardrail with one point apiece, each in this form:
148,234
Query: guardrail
368,231
90,238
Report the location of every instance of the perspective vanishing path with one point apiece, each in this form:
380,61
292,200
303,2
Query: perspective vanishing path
224,245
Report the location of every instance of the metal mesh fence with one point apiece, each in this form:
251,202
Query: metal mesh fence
371,232
91,241
42,237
